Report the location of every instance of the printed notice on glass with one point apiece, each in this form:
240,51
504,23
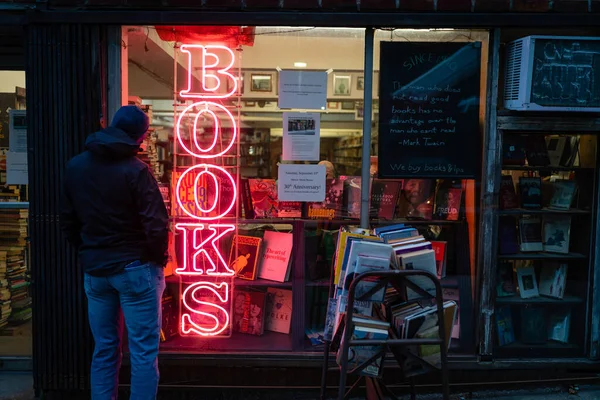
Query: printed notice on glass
301,136
305,90
16,168
300,182
17,141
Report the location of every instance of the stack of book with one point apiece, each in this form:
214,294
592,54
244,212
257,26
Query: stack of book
5,308
13,234
392,311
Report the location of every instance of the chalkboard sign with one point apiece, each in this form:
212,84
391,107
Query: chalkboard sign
429,110
566,73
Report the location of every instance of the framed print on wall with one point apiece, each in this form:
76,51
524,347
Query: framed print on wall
341,85
360,83
348,105
261,83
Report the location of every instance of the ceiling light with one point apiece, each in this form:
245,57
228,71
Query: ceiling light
300,64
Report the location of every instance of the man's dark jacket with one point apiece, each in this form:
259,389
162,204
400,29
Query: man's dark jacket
112,209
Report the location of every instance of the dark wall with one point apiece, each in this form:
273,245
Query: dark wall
64,102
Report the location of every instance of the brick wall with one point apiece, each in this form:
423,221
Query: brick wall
526,6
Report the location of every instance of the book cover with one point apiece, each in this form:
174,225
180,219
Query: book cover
557,233
553,279
513,150
366,263
249,312
331,207
417,199
508,195
504,326
440,257
351,203
559,325
243,259
279,310
384,196
290,209
505,286
531,192
264,198
530,233
536,151
448,200
246,199
527,282
359,354
170,318
275,257
564,192
556,147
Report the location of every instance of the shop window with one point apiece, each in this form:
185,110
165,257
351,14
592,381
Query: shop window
279,297
15,299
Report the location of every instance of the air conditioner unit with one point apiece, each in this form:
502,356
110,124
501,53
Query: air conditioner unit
553,73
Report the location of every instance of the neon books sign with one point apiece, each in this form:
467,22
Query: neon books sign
205,192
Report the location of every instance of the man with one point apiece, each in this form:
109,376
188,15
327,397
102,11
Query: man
113,213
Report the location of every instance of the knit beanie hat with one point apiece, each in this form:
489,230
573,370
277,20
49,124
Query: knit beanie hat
131,120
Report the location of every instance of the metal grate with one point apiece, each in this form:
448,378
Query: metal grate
514,57
64,68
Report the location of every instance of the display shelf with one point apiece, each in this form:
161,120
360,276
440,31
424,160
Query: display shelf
262,283
268,342
543,211
546,345
515,300
318,283
542,256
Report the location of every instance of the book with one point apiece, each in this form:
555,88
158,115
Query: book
557,232
513,150
527,282
553,279
556,147
559,325
384,196
243,259
246,198
508,195
504,326
331,207
417,199
275,259
423,260
366,263
263,193
564,192
289,209
351,199
357,355
440,249
249,312
530,234
536,151
505,286
279,310
531,192
448,200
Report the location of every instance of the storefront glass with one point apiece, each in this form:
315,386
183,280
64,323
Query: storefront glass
15,299
287,312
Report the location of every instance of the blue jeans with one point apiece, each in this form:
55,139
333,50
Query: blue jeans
137,292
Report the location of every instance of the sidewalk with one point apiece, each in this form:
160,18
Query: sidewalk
18,386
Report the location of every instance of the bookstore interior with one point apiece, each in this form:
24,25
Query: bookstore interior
256,140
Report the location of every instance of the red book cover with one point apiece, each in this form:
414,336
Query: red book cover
448,200
384,196
440,257
249,312
264,197
245,259
246,199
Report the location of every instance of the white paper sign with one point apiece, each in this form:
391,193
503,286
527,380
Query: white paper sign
301,136
17,140
298,182
306,90
16,168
